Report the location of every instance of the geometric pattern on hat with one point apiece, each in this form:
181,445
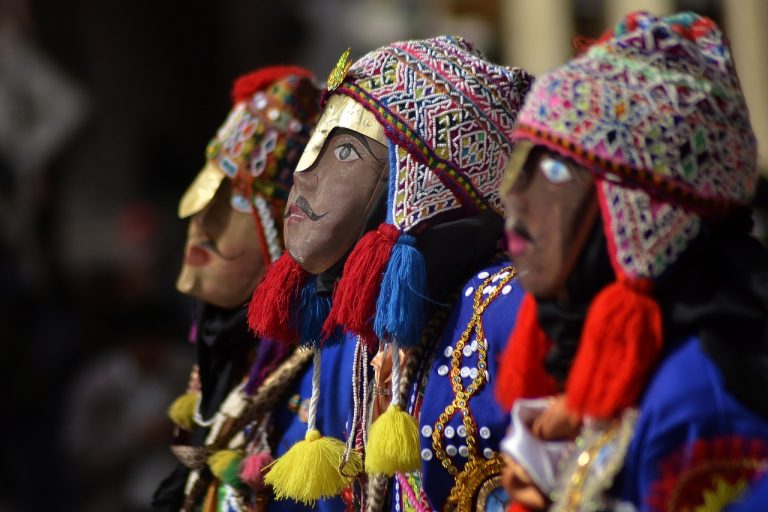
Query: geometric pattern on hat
257,147
655,105
645,235
265,133
448,114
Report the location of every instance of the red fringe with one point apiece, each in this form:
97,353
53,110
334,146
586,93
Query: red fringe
620,345
521,371
247,85
354,300
270,307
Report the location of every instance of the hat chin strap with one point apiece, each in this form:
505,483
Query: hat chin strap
269,238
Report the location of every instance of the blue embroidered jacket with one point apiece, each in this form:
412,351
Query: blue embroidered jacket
694,445
434,483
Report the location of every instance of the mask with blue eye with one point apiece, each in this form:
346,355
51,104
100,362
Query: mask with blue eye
555,171
240,203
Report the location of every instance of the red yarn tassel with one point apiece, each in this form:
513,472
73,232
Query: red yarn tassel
521,368
269,311
354,301
620,345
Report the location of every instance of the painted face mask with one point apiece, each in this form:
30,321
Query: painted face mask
236,201
340,177
223,259
549,210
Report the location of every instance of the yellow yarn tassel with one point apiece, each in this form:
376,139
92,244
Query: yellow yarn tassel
393,444
310,470
225,465
182,410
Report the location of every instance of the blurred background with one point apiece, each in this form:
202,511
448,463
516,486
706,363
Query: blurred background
105,112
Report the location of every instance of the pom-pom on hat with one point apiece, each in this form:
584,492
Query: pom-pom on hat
274,110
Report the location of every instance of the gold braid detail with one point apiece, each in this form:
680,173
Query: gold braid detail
462,396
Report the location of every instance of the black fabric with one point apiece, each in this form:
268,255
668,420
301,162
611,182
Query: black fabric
223,347
454,250
719,290
563,319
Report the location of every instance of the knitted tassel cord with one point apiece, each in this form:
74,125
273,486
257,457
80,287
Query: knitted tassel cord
521,371
310,314
273,300
309,470
354,301
393,442
620,345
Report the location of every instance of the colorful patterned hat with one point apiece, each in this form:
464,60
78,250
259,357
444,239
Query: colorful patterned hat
258,146
447,114
656,111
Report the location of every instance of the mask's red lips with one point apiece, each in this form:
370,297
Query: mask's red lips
294,215
517,240
198,255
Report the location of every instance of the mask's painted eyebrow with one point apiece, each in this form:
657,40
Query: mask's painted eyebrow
363,140
359,136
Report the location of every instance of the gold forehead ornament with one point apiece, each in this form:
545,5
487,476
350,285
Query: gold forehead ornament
339,72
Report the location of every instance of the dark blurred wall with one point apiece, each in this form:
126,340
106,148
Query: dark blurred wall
92,330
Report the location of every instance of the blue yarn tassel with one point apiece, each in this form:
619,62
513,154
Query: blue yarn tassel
310,314
401,306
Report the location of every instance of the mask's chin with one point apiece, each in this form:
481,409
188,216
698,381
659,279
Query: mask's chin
187,281
316,269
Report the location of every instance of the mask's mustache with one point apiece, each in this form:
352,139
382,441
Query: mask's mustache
303,205
523,232
516,226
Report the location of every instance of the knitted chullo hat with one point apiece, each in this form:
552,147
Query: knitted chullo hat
446,115
257,147
655,111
